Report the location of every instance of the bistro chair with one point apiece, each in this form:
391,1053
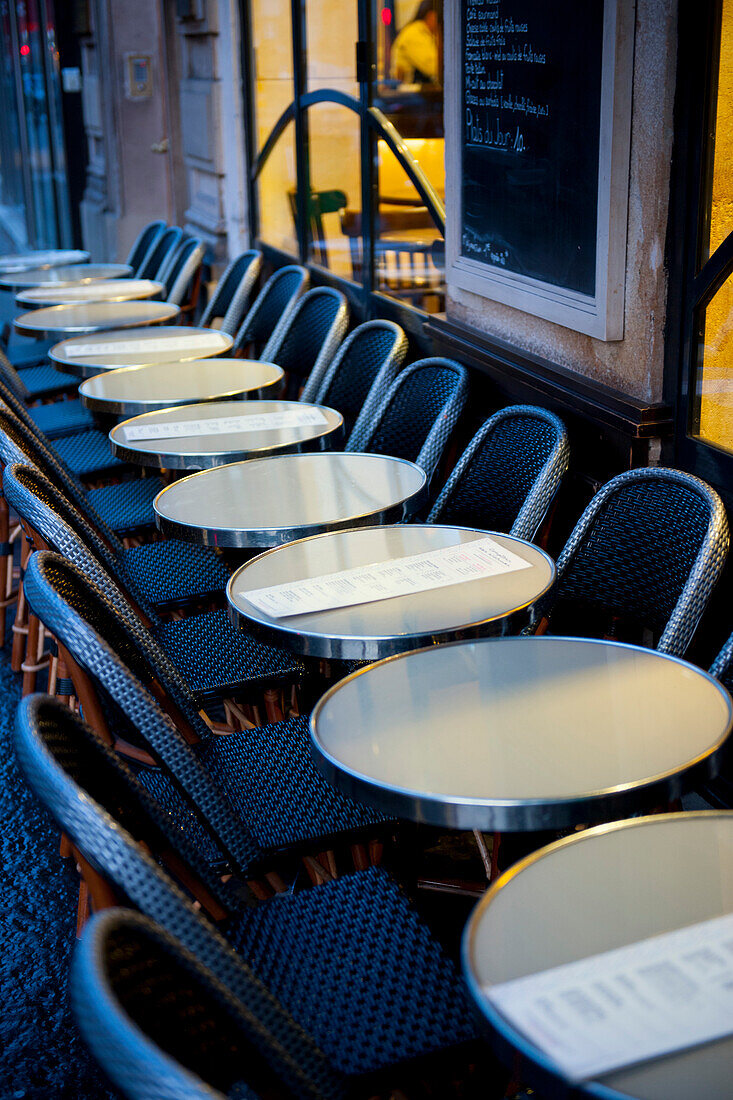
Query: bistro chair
305,343
417,414
346,974
722,666
37,382
159,1023
509,474
160,253
182,279
256,792
165,574
272,307
216,659
55,419
233,292
146,239
364,367
642,561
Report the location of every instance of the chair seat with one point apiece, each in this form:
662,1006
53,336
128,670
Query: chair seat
216,659
62,418
128,506
393,994
169,799
174,572
88,454
271,780
45,381
24,351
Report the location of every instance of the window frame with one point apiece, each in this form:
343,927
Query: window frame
690,289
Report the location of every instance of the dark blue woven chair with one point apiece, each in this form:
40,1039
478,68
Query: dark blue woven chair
364,367
122,508
182,277
417,414
305,343
160,1025
272,307
159,254
644,557
257,790
168,573
350,961
146,239
55,420
722,666
509,474
36,381
216,659
233,292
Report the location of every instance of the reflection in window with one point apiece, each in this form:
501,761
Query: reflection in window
713,407
712,419
334,231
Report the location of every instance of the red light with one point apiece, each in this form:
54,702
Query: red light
386,16
24,51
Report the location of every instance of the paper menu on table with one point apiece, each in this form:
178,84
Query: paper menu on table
629,1005
256,422
154,344
382,580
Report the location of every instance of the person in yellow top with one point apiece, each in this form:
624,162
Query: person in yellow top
415,50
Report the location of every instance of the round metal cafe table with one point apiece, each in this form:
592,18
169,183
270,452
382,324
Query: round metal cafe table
367,631
93,317
215,433
105,351
105,290
526,733
599,890
269,501
55,257
68,275
132,390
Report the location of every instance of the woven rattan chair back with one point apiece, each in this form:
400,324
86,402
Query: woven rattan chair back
509,474
363,369
233,292
160,1025
645,555
722,666
20,443
417,414
184,269
125,664
11,379
272,307
305,345
135,876
160,252
146,239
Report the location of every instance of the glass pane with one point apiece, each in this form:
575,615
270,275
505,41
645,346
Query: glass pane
334,229
273,59
409,90
33,83
331,31
720,198
713,404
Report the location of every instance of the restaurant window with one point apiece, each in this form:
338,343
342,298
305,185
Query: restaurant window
349,171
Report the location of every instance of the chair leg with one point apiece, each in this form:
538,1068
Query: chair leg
29,667
20,631
273,705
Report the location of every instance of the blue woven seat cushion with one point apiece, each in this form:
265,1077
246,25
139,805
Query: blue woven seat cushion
169,799
172,571
25,351
127,506
216,659
87,453
271,781
355,965
46,380
62,418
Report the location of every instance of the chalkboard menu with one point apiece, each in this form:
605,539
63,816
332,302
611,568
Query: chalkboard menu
530,85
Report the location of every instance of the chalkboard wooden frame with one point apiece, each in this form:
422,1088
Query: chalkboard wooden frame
601,315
